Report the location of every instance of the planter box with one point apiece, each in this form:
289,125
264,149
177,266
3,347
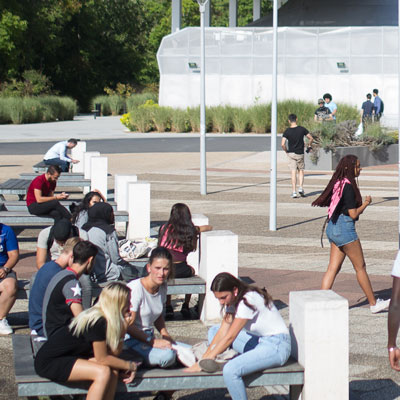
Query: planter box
328,161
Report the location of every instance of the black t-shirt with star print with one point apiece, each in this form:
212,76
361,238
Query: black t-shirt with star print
63,290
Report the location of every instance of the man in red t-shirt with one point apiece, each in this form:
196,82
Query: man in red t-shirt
40,198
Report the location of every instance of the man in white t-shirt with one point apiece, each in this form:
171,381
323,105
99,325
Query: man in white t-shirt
394,316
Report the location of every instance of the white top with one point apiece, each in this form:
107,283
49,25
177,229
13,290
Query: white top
396,266
262,321
59,150
148,307
55,249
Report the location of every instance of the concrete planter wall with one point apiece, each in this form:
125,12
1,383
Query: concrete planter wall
328,161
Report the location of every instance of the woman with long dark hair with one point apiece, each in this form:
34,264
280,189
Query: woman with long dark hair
179,235
343,198
80,211
88,349
252,326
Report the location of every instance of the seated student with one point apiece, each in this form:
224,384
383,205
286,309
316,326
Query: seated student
252,326
148,296
40,197
51,240
49,246
108,265
88,349
322,113
80,211
179,235
42,279
57,154
9,255
63,300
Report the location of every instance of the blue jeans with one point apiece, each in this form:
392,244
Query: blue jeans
152,356
64,165
256,354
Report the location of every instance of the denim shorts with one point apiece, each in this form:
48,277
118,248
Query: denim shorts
342,232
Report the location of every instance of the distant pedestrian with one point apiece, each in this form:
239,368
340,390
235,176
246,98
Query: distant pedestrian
295,152
331,105
57,154
367,110
378,105
343,198
322,113
40,197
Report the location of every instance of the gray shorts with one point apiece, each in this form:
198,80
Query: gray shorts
296,161
11,274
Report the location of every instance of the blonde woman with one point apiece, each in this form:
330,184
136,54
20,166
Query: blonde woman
88,349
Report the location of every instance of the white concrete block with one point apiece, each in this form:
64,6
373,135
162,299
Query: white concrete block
99,171
77,154
121,190
87,164
139,210
193,258
319,324
219,253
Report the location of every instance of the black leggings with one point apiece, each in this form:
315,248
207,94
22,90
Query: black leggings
51,209
183,270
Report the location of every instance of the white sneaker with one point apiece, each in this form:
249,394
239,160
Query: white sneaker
294,195
380,306
301,192
5,329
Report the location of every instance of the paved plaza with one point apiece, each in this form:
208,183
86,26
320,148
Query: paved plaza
289,259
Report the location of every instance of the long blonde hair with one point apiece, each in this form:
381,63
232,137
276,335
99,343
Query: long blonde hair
113,299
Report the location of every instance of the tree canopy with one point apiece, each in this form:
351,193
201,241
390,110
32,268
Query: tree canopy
84,46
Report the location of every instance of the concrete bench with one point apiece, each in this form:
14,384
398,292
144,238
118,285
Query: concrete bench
15,218
65,176
147,380
20,186
40,167
21,205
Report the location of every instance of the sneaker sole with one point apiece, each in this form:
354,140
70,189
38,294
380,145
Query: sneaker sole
210,366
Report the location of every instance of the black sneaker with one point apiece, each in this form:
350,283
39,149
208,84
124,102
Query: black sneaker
169,313
185,311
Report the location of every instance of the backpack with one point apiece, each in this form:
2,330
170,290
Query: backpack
382,107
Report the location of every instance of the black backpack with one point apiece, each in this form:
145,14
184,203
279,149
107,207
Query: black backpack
382,107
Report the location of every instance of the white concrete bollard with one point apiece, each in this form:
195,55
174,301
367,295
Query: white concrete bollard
121,190
87,164
99,171
193,258
139,210
319,325
77,154
219,253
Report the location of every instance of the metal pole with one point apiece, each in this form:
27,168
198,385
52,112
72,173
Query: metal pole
203,167
272,185
398,106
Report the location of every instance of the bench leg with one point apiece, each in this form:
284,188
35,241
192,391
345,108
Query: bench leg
21,197
295,392
201,301
2,197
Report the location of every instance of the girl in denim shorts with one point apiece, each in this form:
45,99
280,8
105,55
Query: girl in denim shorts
343,198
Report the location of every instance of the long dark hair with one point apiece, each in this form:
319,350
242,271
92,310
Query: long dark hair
179,229
84,204
225,282
163,253
345,169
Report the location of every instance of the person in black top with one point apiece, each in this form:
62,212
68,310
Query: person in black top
97,335
343,197
295,152
367,109
322,113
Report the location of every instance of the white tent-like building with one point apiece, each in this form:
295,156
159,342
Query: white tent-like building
334,50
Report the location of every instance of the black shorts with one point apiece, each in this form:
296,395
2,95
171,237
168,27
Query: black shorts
11,274
183,270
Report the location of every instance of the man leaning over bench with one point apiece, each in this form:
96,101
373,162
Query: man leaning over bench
40,198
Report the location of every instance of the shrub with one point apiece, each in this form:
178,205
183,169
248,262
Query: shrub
16,110
221,118
141,119
104,102
127,121
260,117
136,100
346,112
194,118
180,120
67,109
162,118
116,104
241,121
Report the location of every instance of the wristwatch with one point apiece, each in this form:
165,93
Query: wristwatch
7,270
